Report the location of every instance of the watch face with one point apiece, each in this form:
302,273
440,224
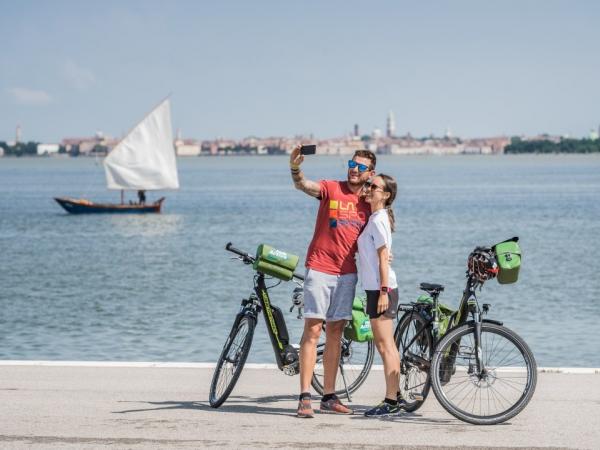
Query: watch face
384,289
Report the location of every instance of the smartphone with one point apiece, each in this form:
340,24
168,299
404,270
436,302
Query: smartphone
308,149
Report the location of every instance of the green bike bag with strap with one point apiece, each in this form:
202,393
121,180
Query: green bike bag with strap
444,313
275,263
359,328
508,256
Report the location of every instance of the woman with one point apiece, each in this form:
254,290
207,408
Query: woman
379,281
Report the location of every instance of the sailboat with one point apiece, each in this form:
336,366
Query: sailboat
143,161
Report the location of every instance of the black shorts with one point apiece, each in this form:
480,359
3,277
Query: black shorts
373,299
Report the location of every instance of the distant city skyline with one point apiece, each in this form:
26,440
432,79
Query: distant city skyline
238,69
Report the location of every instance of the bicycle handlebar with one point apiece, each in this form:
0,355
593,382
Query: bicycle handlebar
300,277
249,259
246,257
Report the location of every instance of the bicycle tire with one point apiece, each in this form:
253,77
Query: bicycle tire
356,359
415,360
511,374
221,385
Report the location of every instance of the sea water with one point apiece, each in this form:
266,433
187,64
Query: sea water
163,288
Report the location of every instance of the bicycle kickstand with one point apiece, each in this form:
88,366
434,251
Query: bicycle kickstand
345,384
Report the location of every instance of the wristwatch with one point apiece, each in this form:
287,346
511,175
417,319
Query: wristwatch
385,289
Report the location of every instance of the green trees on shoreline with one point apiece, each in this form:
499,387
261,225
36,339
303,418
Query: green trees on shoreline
518,145
25,149
20,149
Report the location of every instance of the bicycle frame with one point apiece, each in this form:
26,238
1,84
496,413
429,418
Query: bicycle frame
468,305
285,354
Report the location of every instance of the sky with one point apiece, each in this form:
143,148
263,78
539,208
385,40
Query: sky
280,68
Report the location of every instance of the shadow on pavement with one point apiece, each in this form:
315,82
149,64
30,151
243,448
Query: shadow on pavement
258,405
229,407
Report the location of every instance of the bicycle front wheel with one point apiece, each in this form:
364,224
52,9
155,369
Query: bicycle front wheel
499,393
356,359
232,360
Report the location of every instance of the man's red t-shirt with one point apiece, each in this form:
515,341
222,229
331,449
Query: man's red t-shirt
342,216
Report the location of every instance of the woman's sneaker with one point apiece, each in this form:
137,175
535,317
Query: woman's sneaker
401,402
383,409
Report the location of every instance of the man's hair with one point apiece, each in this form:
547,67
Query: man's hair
367,154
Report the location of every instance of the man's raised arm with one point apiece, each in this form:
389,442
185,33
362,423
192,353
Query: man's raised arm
312,188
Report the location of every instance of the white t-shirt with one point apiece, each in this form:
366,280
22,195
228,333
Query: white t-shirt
376,234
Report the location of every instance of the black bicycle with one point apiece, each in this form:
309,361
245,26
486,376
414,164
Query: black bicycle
355,361
481,372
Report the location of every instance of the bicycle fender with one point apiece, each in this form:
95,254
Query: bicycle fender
495,322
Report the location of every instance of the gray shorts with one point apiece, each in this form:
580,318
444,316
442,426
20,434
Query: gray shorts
328,297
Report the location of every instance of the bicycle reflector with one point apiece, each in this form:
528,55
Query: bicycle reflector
482,264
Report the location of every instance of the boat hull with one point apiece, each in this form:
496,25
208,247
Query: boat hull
74,206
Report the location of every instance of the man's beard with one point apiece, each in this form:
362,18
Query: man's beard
357,183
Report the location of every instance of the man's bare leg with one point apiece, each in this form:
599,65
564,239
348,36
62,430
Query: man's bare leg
331,355
308,351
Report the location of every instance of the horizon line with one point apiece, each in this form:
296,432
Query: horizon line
211,365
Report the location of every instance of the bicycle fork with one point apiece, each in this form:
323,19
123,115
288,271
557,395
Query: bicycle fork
477,320
478,355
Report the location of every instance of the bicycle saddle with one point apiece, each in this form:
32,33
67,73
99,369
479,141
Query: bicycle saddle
431,288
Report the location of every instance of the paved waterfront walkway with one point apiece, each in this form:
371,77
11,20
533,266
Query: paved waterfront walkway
79,407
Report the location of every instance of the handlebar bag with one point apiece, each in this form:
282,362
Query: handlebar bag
508,256
275,263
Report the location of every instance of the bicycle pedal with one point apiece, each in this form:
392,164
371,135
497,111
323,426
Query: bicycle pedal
417,397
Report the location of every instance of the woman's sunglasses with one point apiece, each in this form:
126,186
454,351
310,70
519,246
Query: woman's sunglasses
372,186
361,167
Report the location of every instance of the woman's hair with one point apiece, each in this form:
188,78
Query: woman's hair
390,186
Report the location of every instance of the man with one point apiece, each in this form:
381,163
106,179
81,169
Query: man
331,276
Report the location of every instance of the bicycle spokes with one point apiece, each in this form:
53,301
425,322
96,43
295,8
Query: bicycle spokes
355,362
235,351
499,387
415,346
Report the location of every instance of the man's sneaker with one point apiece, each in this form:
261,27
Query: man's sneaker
305,410
334,406
382,410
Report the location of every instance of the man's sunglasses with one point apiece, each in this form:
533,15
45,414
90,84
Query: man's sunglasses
361,167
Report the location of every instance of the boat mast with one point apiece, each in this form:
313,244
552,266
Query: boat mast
122,202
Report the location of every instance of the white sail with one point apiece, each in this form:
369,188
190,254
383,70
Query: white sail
145,158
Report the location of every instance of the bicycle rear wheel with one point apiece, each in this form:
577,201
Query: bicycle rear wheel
415,359
501,392
232,360
356,359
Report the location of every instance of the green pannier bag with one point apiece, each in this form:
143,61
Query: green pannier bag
508,256
359,328
444,313
275,263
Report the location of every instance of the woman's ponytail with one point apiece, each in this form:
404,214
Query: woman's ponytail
392,187
390,212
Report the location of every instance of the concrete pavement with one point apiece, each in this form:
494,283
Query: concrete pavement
82,407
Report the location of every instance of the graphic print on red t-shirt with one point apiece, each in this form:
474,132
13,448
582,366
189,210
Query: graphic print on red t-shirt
344,213
342,216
